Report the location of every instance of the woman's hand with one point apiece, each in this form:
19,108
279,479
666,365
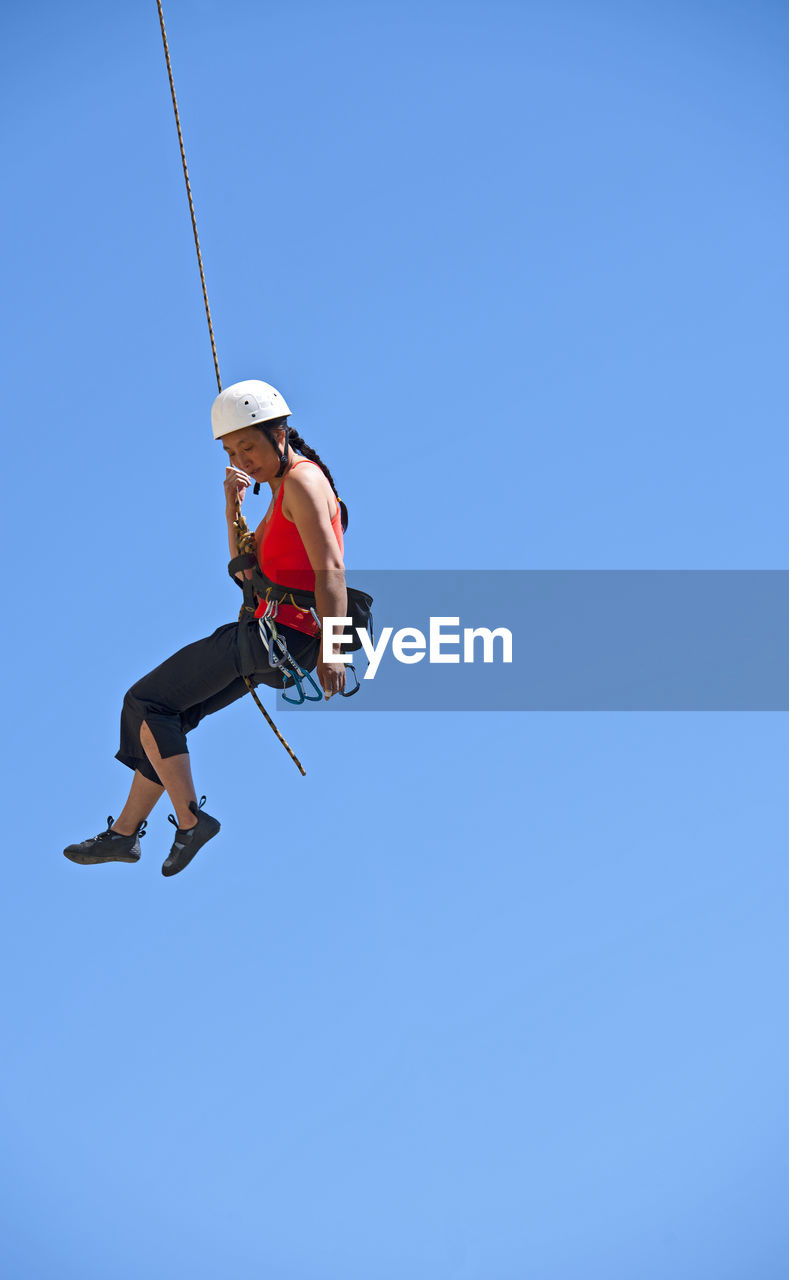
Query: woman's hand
236,484
332,677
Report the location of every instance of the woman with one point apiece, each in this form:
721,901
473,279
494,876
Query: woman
300,545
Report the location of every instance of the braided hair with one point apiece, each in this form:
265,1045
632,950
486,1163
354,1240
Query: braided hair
292,437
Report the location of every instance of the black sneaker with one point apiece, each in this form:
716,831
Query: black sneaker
108,846
187,842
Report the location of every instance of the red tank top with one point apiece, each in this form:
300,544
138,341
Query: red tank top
282,555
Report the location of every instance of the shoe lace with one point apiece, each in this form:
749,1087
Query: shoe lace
172,818
108,829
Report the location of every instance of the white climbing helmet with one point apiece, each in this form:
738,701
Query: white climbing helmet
246,404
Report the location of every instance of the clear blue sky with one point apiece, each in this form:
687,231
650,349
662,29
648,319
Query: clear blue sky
484,997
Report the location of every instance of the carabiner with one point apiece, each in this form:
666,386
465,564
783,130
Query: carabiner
273,642
294,702
317,696
348,693
298,676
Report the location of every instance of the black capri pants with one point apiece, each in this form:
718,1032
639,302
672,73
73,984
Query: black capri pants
199,679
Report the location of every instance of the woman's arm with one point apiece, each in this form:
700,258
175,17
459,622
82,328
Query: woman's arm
308,507
236,483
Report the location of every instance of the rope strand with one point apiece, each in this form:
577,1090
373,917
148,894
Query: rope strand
244,539
189,192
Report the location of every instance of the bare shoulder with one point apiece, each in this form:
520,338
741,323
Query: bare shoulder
306,486
307,477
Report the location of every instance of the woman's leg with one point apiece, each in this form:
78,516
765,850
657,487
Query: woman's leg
142,798
170,701
176,774
121,841
161,708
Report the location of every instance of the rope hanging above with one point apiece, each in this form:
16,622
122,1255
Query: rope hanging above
245,540
189,191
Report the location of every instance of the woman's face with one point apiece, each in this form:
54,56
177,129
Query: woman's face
250,451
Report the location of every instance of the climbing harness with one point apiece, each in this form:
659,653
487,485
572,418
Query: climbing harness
259,587
245,540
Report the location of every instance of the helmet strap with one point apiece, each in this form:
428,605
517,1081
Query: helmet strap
283,461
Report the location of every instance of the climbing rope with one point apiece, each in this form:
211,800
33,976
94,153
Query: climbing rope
188,190
245,539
